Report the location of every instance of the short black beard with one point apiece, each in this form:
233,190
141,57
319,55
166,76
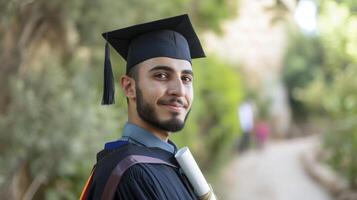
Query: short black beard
147,113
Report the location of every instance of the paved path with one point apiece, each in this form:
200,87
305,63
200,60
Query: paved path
274,173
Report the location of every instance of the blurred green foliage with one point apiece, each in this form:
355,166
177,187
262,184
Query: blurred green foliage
50,127
51,120
301,65
322,76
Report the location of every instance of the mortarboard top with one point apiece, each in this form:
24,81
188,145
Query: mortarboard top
171,37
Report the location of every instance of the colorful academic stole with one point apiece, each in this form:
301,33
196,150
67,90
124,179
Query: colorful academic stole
86,187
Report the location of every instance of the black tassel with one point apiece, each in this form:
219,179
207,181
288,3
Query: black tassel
109,88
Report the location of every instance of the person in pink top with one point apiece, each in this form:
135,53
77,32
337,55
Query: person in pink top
262,131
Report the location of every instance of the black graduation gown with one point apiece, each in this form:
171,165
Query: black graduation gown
143,181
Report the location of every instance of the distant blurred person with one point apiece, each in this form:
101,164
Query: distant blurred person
246,119
262,131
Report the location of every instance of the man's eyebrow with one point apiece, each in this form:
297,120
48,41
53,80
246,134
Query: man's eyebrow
190,72
167,68
161,67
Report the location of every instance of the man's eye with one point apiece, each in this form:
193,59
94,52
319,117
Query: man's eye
187,79
161,76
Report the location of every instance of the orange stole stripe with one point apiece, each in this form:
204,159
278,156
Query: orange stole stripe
84,193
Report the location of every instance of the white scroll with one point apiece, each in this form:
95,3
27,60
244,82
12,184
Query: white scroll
193,173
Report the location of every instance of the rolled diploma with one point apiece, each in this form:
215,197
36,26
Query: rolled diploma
192,171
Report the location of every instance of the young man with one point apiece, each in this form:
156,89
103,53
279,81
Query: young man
159,91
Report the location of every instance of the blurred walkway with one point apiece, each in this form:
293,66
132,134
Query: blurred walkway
274,173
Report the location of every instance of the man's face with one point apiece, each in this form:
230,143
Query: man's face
164,92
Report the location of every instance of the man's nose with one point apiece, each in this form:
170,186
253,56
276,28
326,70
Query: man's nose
176,87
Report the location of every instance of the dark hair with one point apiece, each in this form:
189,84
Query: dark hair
134,74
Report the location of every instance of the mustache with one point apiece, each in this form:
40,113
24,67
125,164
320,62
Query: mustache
173,100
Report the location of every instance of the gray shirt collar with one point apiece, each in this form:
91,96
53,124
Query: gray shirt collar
140,136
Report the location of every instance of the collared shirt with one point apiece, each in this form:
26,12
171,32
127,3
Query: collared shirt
139,136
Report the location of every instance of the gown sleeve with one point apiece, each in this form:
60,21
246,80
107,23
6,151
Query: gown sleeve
152,182
137,184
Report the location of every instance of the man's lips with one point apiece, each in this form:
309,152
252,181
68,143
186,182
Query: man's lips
177,104
174,106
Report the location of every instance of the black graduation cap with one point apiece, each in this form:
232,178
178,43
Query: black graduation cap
171,37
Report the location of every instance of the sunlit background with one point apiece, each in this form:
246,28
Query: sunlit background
275,111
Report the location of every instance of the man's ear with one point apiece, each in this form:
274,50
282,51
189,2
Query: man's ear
128,85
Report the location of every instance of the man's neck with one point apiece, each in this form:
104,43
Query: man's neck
162,135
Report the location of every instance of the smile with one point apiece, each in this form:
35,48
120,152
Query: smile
174,107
